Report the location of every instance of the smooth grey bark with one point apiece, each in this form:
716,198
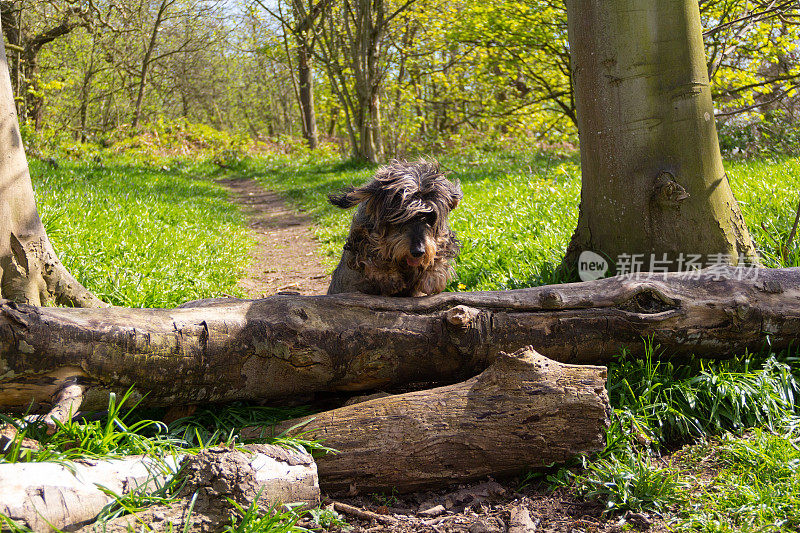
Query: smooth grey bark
652,175
30,271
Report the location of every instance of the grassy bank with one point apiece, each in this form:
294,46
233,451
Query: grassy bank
520,208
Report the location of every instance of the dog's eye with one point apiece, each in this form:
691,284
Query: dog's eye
429,218
395,202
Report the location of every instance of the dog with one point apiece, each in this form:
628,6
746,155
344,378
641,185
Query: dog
400,243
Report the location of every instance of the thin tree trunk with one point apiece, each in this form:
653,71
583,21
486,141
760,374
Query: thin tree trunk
652,176
284,346
148,54
86,88
305,74
306,89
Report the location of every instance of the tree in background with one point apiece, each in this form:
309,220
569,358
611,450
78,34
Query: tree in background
524,56
302,27
650,159
384,76
31,26
753,64
189,27
354,53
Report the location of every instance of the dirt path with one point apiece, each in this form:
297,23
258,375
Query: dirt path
285,257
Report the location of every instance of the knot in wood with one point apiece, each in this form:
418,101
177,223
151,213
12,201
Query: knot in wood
461,315
550,299
667,192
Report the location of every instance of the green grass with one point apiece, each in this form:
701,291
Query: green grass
520,208
669,403
514,222
660,405
751,483
768,191
631,481
123,430
141,236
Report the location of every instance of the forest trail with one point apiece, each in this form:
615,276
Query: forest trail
286,254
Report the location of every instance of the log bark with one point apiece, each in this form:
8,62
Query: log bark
285,345
525,411
45,495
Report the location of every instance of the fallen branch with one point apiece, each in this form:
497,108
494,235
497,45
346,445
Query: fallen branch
363,514
42,496
289,345
45,495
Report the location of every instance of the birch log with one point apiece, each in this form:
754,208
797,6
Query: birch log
42,496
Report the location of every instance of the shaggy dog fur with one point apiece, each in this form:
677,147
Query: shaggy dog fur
399,242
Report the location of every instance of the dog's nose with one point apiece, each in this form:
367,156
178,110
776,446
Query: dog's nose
418,251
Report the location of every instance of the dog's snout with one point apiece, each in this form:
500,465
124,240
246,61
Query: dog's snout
418,250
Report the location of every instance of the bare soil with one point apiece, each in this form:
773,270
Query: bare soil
286,256
486,507
491,507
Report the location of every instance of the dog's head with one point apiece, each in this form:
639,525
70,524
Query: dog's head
405,207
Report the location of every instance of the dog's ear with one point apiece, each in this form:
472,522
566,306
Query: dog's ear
455,195
347,197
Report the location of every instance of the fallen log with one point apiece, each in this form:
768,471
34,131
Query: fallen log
45,495
42,496
287,345
525,411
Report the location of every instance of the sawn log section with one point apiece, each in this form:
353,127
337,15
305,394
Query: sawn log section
525,411
224,349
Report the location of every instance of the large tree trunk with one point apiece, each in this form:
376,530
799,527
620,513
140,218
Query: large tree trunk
523,412
29,268
286,345
652,175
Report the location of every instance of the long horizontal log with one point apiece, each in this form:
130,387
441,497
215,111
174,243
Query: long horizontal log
525,411
227,349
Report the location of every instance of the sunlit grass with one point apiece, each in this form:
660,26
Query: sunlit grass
752,483
520,208
516,218
768,191
139,236
659,405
